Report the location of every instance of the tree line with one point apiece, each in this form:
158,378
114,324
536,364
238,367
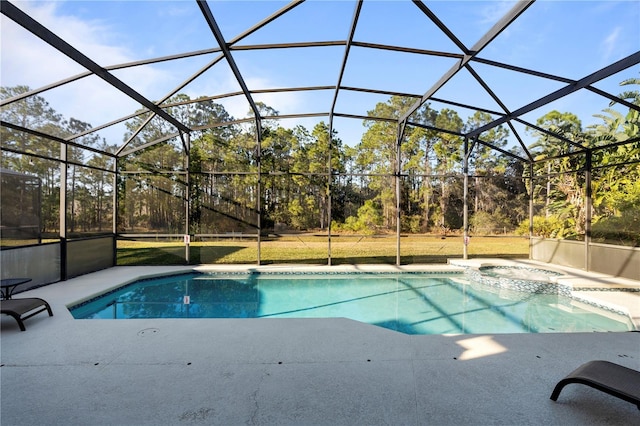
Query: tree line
298,179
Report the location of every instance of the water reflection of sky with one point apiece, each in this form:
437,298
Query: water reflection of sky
410,303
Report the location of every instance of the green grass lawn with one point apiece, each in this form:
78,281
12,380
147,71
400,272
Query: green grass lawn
311,249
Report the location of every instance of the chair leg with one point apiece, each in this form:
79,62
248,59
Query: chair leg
613,379
17,318
556,391
48,309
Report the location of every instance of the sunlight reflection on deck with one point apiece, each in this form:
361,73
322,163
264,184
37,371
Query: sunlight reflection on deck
478,347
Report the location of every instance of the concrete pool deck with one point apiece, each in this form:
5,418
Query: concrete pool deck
294,371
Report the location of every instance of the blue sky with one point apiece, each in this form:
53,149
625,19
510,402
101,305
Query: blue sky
567,38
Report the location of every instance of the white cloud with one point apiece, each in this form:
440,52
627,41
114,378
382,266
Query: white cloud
91,37
26,60
609,44
494,11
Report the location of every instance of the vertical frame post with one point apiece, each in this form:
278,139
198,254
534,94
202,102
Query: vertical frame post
187,198
531,191
259,184
39,211
115,210
465,201
329,190
398,175
63,211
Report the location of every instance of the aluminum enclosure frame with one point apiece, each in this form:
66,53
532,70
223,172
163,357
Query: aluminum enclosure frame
465,58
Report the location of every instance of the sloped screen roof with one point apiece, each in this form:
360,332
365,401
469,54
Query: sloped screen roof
101,62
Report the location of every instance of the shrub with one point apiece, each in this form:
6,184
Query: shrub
411,223
549,227
623,230
368,221
489,223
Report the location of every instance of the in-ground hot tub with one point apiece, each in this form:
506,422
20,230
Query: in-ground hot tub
519,278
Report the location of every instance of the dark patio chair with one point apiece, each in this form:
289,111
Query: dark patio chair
30,306
614,379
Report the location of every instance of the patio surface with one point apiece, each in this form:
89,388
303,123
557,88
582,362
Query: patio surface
296,371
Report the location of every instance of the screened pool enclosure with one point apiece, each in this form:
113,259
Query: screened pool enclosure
226,132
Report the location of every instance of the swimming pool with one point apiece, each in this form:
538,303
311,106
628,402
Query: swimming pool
413,303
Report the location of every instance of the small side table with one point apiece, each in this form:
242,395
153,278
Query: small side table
8,285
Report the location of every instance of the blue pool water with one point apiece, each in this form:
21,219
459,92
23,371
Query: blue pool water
411,303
